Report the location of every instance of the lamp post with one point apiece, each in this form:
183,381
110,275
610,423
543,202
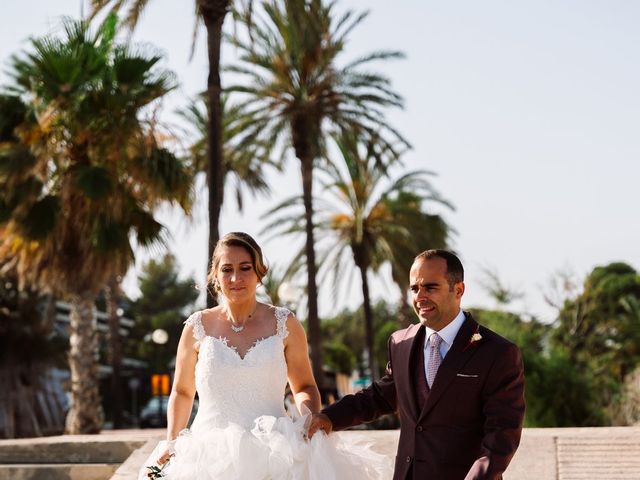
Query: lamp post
159,337
134,385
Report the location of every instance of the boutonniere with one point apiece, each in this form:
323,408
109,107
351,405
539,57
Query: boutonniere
475,338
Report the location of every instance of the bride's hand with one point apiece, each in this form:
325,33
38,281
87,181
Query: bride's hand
164,457
166,452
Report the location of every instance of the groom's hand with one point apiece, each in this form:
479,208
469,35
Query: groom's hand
319,421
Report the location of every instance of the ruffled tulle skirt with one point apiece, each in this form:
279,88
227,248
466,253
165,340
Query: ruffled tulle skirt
274,449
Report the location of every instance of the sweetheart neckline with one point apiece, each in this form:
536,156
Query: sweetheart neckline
224,341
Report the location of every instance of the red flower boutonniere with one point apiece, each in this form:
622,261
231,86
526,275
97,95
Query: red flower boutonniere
475,338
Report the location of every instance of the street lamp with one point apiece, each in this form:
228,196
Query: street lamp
134,385
159,337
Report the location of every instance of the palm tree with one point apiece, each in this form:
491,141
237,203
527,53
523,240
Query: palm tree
428,231
243,168
371,217
295,92
212,13
82,179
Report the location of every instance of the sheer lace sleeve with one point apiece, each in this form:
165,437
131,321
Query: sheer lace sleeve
195,321
281,321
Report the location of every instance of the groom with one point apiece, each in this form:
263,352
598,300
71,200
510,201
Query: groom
457,386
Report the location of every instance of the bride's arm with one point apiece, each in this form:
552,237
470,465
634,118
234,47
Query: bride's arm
183,390
303,385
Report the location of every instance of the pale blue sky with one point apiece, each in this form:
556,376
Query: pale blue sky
528,111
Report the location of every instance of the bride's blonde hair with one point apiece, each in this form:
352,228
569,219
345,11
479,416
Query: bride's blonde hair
237,239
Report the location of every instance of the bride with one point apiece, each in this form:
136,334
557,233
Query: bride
239,357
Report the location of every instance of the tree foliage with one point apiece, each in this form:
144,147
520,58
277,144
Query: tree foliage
599,330
165,303
557,394
345,339
364,216
80,175
244,168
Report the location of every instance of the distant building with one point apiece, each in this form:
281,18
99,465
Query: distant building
133,373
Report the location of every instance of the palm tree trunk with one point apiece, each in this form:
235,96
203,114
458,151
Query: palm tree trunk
368,319
302,132
312,288
213,13
85,415
115,351
313,320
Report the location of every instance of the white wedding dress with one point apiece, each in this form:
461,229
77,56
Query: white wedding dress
242,431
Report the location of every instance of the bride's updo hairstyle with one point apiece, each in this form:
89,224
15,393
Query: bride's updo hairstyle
237,239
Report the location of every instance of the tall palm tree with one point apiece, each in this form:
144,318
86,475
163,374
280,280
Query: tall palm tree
243,168
364,216
295,92
212,13
82,178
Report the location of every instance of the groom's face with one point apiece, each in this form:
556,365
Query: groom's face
434,301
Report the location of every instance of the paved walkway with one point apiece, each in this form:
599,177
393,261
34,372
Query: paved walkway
610,453
604,453
607,453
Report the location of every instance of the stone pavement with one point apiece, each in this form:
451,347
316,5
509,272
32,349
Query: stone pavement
64,457
604,453
608,453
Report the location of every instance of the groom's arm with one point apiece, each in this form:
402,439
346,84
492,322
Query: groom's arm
503,408
367,404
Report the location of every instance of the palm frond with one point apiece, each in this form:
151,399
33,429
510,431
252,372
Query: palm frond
40,218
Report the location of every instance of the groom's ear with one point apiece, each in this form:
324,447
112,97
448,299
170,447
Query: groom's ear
458,289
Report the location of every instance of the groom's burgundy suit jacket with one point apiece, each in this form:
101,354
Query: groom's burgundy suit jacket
470,424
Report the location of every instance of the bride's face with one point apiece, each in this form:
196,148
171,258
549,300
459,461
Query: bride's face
236,275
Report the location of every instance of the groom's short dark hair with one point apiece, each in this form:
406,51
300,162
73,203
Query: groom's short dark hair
455,271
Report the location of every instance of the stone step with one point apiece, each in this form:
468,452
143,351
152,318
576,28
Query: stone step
63,452
592,475
585,458
60,471
631,443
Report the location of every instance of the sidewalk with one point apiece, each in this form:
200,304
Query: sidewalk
603,453
608,453
64,457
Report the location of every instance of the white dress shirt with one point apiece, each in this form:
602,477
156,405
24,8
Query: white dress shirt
448,335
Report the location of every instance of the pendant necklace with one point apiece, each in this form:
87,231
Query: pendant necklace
238,329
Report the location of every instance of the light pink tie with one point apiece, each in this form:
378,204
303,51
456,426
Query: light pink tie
435,358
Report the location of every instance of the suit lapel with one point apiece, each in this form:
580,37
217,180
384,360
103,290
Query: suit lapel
415,341
456,357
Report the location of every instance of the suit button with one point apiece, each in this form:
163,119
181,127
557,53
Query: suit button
419,428
408,459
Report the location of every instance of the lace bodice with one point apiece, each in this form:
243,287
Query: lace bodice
242,431
235,389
